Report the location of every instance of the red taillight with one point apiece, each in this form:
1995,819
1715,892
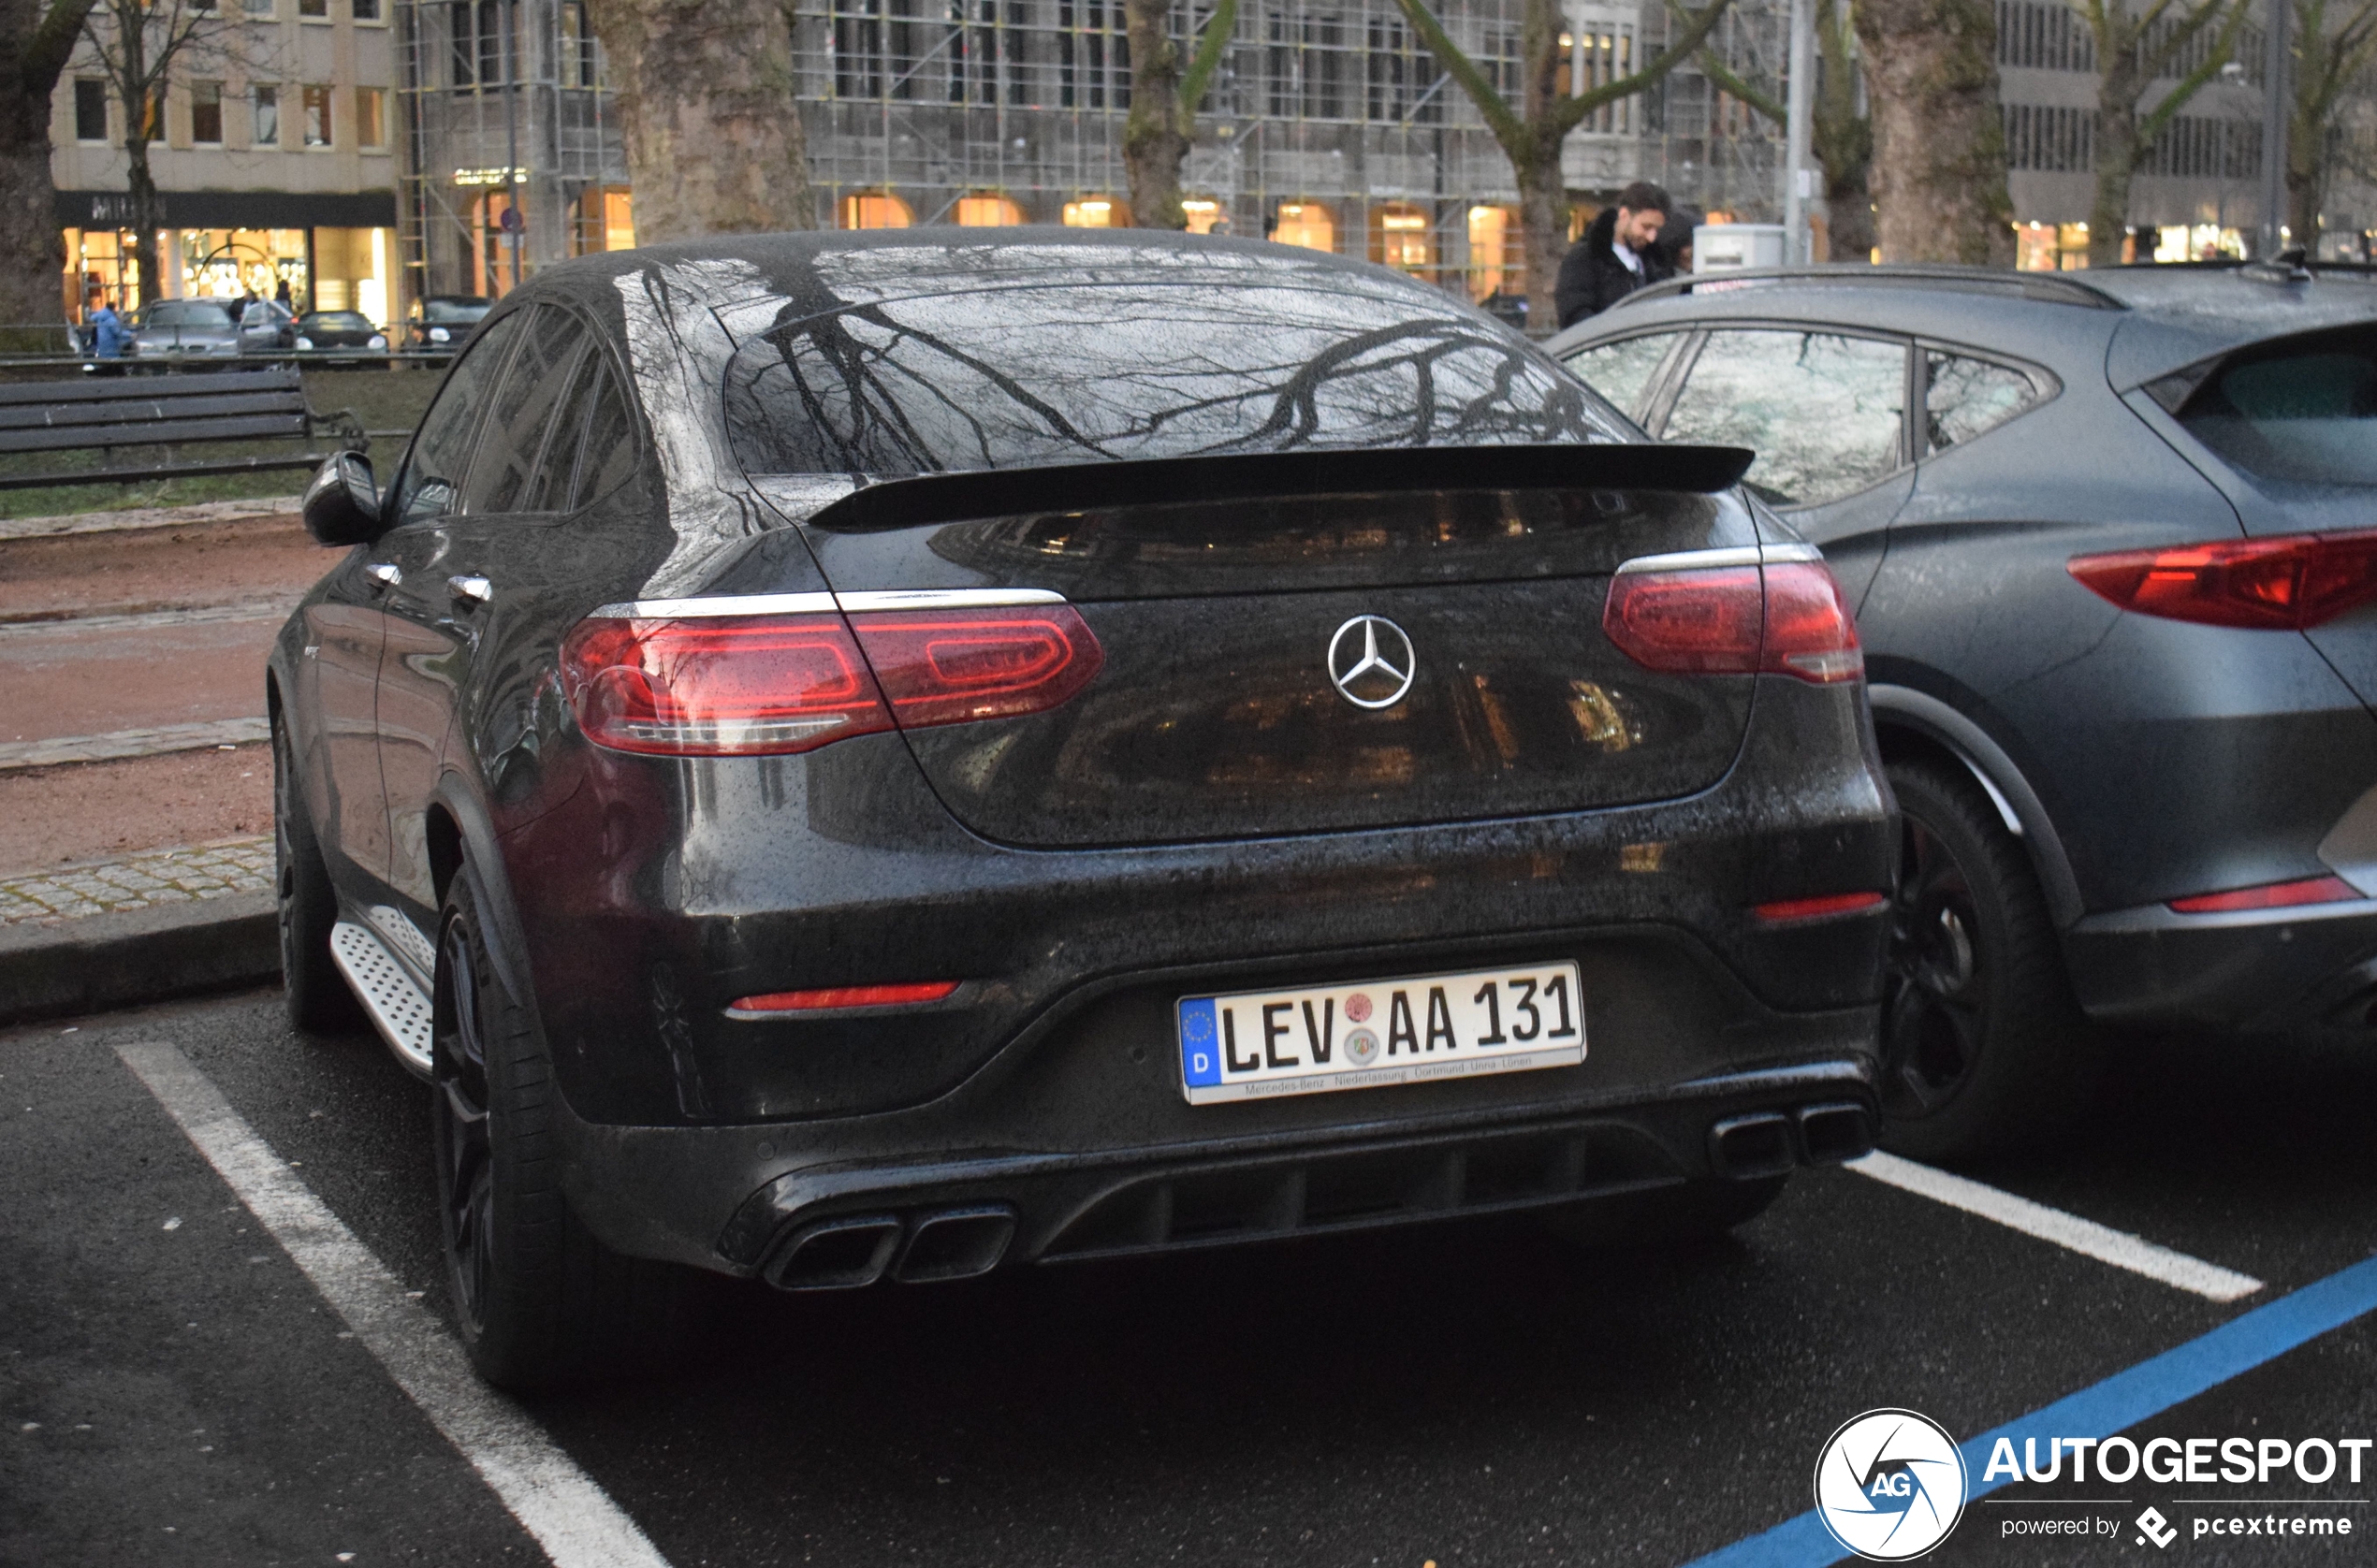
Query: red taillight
723,686
2290,584
734,685
2271,895
951,666
1786,617
1820,907
846,996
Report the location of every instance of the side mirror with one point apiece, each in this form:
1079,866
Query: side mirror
343,505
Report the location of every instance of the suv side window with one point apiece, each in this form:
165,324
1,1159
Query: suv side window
604,453
1825,413
518,414
432,483
1624,370
1964,396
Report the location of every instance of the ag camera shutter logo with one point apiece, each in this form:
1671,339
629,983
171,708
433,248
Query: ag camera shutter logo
1889,1485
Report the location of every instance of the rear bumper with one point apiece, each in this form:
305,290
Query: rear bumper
2258,969
709,1198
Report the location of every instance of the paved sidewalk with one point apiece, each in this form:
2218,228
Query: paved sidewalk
196,515
138,881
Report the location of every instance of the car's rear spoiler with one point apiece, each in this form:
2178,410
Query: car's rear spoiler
940,498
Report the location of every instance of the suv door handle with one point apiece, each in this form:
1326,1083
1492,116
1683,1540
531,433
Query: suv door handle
387,573
466,586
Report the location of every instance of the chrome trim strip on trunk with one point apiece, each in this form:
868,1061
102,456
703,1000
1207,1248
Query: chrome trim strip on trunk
1736,555
820,603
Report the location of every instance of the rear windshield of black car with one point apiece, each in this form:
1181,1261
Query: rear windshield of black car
187,312
2303,411
451,310
1028,377
340,321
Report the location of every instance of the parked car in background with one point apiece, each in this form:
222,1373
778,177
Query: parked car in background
2109,539
321,330
187,328
267,326
442,321
897,753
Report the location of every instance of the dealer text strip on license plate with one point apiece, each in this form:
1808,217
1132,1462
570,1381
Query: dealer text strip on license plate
1260,1044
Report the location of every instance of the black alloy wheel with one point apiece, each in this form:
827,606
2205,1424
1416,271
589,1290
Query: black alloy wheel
1983,1046
1933,1011
465,1170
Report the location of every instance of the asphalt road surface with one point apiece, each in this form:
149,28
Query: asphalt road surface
173,1389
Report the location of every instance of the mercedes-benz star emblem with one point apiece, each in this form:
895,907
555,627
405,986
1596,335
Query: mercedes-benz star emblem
1370,662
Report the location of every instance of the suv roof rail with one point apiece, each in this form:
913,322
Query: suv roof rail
2054,288
2287,265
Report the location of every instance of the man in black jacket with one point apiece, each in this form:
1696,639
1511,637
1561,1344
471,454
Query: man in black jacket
1617,256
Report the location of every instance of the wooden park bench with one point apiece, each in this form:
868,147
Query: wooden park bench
105,414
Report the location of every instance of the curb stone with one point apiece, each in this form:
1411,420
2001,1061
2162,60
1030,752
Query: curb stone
136,956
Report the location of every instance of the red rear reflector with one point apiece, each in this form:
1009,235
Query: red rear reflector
952,666
2290,584
1785,618
846,996
1817,908
2271,895
740,686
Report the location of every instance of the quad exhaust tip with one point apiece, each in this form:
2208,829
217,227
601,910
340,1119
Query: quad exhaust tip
1772,1143
847,1254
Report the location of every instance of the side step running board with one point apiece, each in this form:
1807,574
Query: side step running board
399,1009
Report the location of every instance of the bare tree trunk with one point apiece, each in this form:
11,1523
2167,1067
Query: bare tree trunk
2116,162
1939,146
1154,140
1543,227
1843,140
36,41
714,139
147,213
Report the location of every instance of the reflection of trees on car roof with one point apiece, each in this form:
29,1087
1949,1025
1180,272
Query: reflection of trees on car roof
996,378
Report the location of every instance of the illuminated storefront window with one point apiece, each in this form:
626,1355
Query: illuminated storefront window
987,211
1306,224
1202,213
603,219
495,261
1097,213
875,209
2050,247
1401,237
1497,263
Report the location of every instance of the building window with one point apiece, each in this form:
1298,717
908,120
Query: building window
1306,224
478,42
264,111
1402,237
314,10
206,113
875,209
987,211
602,219
1497,258
1093,58
581,65
370,118
1097,213
258,8
90,109
367,11
317,117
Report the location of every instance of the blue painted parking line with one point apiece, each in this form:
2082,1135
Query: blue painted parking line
2114,1406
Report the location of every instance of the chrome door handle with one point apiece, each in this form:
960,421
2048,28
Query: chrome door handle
468,586
387,573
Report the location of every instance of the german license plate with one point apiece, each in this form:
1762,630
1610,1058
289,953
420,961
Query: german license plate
1259,1044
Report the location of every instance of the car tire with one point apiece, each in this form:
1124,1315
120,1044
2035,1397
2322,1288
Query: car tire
1669,1216
319,1000
539,1301
1984,1048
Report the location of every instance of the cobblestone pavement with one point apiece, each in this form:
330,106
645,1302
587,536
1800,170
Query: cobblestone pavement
137,881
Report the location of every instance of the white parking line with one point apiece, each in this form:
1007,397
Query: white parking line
2102,1242
574,1519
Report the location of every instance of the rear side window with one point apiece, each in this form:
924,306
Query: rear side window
592,447
2304,411
1825,413
1622,371
432,483
518,413
1964,398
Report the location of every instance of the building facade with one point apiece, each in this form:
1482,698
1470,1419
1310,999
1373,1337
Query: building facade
275,156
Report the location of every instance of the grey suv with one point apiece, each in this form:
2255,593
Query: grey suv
2118,586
